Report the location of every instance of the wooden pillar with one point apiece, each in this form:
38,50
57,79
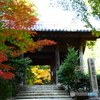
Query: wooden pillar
55,64
24,74
57,61
81,57
53,71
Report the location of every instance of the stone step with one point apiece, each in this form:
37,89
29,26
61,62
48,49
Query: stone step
40,88
43,91
42,97
40,94
28,89
46,99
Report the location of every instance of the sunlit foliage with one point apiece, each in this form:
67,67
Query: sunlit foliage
41,75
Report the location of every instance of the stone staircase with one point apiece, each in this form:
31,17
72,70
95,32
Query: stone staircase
42,92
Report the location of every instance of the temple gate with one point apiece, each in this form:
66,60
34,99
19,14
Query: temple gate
53,55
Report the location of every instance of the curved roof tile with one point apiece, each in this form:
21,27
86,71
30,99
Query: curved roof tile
59,27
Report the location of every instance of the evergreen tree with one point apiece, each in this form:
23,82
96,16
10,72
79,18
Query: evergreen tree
66,73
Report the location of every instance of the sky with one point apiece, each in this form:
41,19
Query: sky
49,14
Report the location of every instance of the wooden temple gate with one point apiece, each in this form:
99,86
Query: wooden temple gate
53,55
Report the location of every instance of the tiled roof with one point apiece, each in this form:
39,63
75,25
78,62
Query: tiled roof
41,26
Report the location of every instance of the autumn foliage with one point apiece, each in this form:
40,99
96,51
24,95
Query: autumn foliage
17,17
17,13
4,74
41,75
3,57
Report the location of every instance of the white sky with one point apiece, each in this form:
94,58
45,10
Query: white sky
56,15
50,14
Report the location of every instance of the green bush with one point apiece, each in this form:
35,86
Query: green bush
20,66
83,82
5,89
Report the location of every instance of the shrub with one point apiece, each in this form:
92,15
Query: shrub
66,73
5,89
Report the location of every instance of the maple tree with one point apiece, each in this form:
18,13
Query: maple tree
4,74
17,17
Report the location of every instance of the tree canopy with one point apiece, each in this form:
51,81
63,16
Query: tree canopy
17,17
